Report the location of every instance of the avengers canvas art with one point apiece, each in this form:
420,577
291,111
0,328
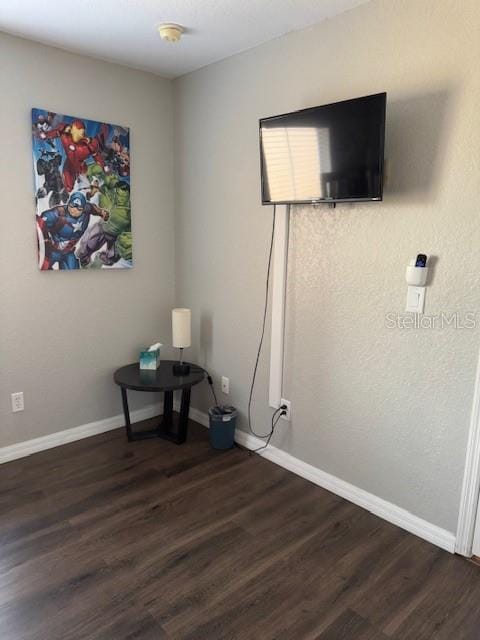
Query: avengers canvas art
82,192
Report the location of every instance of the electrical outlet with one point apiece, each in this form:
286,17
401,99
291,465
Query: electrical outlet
17,401
225,385
287,403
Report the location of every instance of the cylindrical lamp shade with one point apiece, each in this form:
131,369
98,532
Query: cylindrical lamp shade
181,328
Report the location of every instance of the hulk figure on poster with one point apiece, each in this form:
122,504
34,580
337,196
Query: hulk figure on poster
82,191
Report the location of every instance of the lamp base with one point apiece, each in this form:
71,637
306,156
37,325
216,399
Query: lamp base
181,369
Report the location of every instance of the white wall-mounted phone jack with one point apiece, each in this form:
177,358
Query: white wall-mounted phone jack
17,401
416,278
225,385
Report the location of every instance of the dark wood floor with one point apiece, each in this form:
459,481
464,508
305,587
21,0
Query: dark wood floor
106,540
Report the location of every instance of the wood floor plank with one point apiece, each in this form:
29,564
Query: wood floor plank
291,582
108,540
350,626
449,607
399,586
234,571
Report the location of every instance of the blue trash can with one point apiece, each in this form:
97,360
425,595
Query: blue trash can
222,426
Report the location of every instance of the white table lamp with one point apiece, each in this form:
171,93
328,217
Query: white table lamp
181,337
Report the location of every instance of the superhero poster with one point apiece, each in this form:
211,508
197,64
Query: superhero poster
82,192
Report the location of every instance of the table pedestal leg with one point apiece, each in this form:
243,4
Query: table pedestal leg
168,409
126,413
168,432
183,418
166,429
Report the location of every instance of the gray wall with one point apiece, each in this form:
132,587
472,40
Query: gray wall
62,334
385,409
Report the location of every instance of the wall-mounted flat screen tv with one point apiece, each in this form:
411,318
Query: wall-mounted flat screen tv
332,153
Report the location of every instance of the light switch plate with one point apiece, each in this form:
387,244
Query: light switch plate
415,299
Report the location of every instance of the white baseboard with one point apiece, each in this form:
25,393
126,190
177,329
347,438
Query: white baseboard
386,510
23,449
28,447
199,416
379,507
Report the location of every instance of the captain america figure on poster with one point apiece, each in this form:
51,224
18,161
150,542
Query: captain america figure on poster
76,161
62,227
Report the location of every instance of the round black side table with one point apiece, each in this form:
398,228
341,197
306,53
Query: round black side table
161,379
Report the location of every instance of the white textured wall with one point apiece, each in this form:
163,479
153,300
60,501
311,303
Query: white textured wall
386,410
62,334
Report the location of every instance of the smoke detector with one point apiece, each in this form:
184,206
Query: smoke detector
170,32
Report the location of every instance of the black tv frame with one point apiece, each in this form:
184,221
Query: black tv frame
327,200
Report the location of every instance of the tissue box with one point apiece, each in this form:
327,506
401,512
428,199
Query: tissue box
150,359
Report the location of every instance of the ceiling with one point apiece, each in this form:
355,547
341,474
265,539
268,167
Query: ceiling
124,31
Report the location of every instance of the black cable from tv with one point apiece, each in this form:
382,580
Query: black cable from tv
210,382
267,285
274,424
